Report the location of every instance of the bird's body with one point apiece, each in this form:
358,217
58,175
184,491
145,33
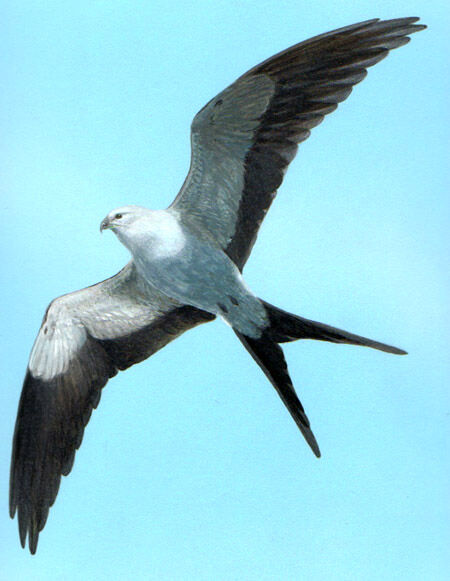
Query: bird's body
175,261
187,260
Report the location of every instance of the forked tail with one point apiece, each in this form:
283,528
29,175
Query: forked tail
269,356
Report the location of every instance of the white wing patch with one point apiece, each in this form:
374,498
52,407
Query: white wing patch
56,345
114,308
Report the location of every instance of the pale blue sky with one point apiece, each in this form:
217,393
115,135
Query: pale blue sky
191,468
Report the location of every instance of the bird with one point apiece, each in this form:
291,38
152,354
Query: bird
187,260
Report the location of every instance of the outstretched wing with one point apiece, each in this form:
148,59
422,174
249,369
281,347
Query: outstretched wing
243,140
85,338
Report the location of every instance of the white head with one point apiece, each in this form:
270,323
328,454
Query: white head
136,226
122,217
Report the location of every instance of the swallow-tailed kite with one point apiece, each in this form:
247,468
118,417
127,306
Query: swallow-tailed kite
187,260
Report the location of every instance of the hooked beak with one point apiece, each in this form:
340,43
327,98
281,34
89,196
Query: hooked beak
104,225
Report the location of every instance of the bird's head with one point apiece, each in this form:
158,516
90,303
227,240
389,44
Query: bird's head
138,227
120,218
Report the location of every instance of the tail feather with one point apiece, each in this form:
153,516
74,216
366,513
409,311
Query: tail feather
269,356
286,327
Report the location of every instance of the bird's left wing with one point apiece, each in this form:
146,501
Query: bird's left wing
243,140
85,338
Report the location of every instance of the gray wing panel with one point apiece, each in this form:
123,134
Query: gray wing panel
222,134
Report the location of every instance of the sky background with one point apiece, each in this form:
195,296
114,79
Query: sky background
191,468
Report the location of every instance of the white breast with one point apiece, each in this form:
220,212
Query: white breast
168,237
156,235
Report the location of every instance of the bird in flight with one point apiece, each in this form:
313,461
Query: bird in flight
187,260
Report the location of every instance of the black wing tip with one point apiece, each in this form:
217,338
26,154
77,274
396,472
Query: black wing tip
394,22
417,27
400,28
407,20
27,527
33,541
12,510
390,25
23,531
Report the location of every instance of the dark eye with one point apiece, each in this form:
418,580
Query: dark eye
118,216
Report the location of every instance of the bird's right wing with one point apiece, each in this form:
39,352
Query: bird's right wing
243,140
85,338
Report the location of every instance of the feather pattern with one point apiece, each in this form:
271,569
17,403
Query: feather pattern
85,338
244,139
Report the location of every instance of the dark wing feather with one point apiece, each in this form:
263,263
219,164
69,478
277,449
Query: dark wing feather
104,328
244,139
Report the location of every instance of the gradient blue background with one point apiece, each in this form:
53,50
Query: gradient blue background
191,468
